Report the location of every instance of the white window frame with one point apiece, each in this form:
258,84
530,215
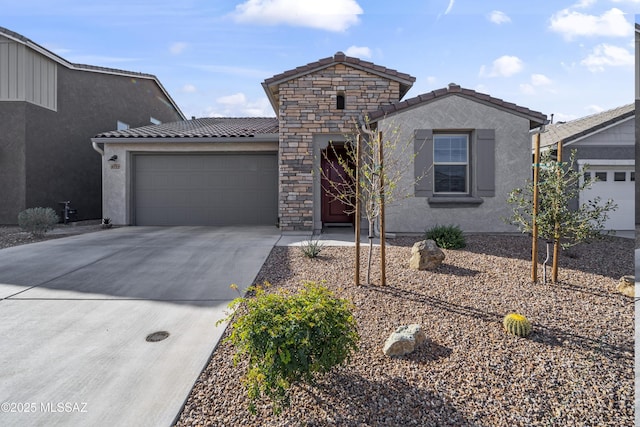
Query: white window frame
466,164
120,125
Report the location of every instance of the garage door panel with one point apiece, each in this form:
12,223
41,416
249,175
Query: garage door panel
622,192
207,189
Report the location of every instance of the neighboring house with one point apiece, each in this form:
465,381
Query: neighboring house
49,110
605,142
222,171
637,145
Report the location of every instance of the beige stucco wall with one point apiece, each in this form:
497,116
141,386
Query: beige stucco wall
116,176
513,164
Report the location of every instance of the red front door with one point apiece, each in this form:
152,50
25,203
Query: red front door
333,210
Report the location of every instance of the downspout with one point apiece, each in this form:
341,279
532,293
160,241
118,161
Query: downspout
101,152
98,149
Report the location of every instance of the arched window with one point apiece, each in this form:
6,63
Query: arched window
340,101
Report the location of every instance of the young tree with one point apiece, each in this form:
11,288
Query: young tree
367,178
560,183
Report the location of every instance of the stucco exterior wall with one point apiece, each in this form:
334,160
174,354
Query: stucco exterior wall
61,164
118,175
12,161
308,108
512,160
51,155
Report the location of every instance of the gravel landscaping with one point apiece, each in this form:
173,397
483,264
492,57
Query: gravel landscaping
576,368
12,235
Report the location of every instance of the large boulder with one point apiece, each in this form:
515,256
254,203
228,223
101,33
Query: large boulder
626,286
425,255
404,340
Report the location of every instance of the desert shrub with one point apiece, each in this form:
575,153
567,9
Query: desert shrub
311,248
38,221
516,324
446,236
289,338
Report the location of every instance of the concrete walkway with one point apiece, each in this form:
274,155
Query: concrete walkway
75,312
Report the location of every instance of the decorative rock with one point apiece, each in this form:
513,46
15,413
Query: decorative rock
627,286
404,340
425,255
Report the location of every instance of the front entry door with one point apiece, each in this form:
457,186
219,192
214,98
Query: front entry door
333,210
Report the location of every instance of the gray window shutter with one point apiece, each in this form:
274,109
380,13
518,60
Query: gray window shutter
423,149
485,162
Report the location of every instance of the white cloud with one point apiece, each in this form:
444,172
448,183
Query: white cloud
330,15
583,4
431,80
189,88
235,99
537,81
498,17
451,2
527,89
238,105
358,52
606,55
594,109
177,48
540,80
505,66
572,24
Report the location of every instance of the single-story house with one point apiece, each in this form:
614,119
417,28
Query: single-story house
217,171
606,143
49,108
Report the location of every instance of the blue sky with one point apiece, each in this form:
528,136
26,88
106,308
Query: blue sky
570,58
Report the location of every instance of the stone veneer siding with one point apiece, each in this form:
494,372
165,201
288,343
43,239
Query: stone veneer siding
308,108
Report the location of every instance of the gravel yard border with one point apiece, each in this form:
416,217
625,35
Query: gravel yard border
575,369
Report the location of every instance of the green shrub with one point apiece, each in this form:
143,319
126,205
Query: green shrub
38,221
516,324
446,236
311,248
289,338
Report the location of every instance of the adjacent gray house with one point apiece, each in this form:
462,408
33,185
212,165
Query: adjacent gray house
637,102
49,110
606,143
223,171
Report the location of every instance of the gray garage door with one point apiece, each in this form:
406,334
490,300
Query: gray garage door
205,189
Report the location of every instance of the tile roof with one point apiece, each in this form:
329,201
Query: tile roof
84,67
208,127
271,84
340,58
452,89
583,126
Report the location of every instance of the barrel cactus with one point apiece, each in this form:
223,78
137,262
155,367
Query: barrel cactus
516,324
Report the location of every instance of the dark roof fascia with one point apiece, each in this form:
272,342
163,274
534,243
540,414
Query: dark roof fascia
266,137
571,139
89,68
535,118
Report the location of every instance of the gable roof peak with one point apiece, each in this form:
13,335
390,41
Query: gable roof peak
453,87
535,118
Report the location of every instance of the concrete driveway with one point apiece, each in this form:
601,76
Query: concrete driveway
75,312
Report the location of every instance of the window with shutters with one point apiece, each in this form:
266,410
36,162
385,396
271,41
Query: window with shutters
450,164
454,167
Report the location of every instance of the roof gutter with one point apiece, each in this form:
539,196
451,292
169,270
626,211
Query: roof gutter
98,149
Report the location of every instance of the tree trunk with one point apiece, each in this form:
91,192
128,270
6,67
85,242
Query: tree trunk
554,265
